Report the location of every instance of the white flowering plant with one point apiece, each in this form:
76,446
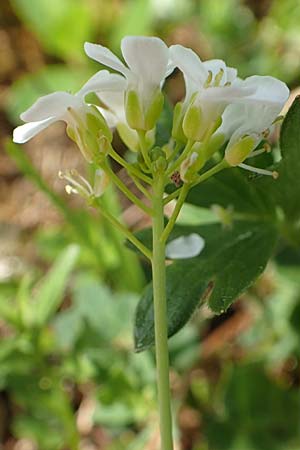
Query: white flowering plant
215,154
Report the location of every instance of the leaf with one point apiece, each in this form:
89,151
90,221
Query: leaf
51,290
287,188
231,261
232,188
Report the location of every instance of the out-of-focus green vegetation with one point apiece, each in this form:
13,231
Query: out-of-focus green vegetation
68,376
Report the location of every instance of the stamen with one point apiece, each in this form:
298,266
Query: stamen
270,173
256,153
218,78
265,133
86,183
208,79
75,187
70,190
278,119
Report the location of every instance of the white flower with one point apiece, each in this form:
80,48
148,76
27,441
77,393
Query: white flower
245,124
185,247
147,67
210,87
67,107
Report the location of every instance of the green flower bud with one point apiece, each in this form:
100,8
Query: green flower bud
236,154
155,153
133,109
192,123
177,131
213,145
154,110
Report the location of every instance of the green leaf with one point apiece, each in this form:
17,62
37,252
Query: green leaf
51,290
231,261
233,188
287,187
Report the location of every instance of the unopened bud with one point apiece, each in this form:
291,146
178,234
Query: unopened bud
192,123
155,153
190,167
177,131
213,145
236,154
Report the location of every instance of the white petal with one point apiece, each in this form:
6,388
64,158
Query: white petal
104,56
115,103
25,132
52,105
268,90
233,118
110,118
228,94
147,57
185,247
103,81
189,63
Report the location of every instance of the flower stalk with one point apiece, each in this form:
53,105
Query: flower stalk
160,315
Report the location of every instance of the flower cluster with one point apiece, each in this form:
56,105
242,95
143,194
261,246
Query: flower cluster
219,110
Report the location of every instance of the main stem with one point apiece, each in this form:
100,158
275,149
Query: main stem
160,315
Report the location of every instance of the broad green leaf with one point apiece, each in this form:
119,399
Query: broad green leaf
231,261
288,184
51,290
233,188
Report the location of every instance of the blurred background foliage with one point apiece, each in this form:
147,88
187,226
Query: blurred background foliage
68,376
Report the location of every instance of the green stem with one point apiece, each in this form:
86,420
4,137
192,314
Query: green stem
181,158
174,152
129,167
142,189
217,168
123,230
160,316
182,196
144,147
125,190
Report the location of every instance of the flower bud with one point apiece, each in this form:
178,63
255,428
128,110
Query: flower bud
177,131
213,145
236,154
158,158
191,165
192,123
